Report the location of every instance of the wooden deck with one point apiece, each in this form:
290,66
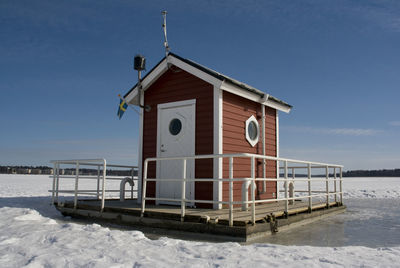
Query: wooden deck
269,217
241,218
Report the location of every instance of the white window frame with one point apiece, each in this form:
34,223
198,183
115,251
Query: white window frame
249,140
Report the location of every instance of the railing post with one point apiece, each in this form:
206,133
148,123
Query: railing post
253,204
334,185
286,189
144,187
54,183
230,191
98,182
340,186
291,187
103,190
309,187
133,182
57,181
76,185
327,186
264,175
183,190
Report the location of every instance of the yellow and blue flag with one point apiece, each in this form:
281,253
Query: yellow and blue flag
122,108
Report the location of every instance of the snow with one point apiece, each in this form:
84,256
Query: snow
34,234
371,187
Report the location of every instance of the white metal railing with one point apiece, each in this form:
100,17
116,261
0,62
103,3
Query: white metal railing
251,182
100,169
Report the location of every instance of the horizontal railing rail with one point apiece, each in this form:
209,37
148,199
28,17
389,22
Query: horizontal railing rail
251,181
101,177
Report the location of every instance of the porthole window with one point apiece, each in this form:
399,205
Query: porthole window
175,126
252,130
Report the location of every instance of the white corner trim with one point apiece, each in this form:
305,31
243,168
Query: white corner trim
277,147
140,153
264,169
217,163
277,133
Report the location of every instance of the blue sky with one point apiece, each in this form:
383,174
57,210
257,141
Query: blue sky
63,63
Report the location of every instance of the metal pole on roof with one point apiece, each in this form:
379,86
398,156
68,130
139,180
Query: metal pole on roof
164,25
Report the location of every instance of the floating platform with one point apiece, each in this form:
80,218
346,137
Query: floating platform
270,218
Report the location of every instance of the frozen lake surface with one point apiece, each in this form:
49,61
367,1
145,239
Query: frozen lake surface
34,234
367,222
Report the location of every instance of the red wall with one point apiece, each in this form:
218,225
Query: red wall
236,110
178,85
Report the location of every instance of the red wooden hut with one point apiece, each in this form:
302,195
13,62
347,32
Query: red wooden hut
193,110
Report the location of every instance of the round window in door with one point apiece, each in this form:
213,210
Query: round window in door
175,126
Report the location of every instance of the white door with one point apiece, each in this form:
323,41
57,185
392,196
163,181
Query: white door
175,137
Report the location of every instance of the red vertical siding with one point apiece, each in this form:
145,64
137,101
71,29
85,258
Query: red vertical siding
178,85
236,110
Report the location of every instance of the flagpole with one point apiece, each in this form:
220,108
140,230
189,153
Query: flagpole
130,105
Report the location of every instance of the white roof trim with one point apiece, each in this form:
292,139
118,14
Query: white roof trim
194,71
132,97
277,106
254,97
240,92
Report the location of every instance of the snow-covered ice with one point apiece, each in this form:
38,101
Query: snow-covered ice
371,187
34,234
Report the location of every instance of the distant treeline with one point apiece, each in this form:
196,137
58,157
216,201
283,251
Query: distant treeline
65,171
126,172
373,173
3,168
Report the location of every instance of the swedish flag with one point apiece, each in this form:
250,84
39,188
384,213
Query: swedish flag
122,108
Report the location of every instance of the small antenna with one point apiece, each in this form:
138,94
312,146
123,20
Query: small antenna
164,14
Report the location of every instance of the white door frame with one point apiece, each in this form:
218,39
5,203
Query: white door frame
173,105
